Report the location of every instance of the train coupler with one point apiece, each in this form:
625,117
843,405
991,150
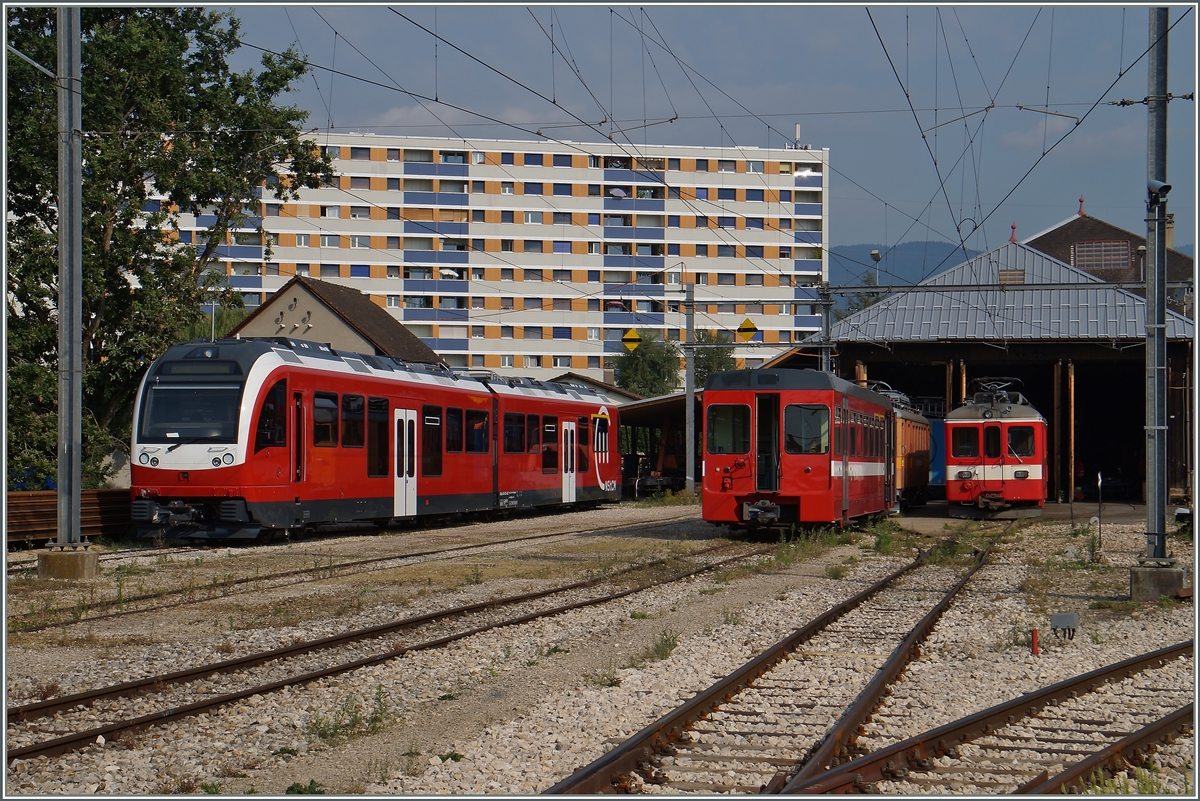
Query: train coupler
763,511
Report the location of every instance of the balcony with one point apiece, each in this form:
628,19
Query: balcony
436,198
438,170
808,209
807,237
443,228
437,256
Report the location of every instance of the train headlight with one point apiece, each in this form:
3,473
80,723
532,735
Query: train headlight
227,458
216,461
154,461
144,459
963,474
987,414
1021,474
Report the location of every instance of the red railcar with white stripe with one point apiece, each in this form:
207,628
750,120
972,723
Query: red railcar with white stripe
996,455
237,437
798,446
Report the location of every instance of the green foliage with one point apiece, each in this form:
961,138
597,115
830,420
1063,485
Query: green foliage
711,360
161,108
204,329
858,301
312,788
651,369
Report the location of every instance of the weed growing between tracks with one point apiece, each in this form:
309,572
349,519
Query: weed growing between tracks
349,722
1146,781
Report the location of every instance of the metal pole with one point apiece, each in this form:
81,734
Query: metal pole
1156,294
70,279
689,353
826,303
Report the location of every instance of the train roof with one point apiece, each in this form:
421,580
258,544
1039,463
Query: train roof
784,378
1000,405
248,350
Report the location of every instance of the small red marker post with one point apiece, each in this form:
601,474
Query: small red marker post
1033,641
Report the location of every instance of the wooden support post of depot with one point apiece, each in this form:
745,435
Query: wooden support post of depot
1071,429
949,385
860,374
1057,474
962,380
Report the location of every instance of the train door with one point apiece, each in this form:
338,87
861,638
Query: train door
766,478
845,458
298,431
568,461
993,454
405,481
889,463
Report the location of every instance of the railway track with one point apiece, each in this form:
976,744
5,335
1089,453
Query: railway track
18,567
1041,742
58,725
792,709
154,601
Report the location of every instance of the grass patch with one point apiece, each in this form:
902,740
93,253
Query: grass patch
669,498
731,615
349,721
605,677
835,571
452,756
1115,605
312,788
638,614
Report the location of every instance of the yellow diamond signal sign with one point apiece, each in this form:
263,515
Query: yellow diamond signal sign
631,340
747,329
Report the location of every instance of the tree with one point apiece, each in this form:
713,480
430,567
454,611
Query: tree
858,301
169,128
713,359
651,369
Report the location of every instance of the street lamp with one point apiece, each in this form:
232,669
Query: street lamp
876,257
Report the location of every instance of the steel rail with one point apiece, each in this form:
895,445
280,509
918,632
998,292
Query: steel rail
40,709
917,752
1131,749
78,740
605,774
331,570
834,745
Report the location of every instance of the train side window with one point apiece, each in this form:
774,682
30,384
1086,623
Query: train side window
806,428
991,442
600,447
378,454
549,444
431,440
353,417
477,431
854,440
533,427
728,428
325,419
514,432
454,430
582,434
964,442
1020,441
272,418
837,430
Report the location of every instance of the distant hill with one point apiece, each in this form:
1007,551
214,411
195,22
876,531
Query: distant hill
1188,249
907,263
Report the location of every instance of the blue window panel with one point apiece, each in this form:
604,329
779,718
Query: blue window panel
437,256
562,190
440,344
809,321
754,223
185,237
443,170
726,222
593,276
206,220
622,232
811,209
754,251
152,206
635,262
633,204
808,237
672,220
633,319
650,233
562,159
672,250
360,271
785,196
562,333
807,293
806,265
808,180
446,228
619,176
252,252
726,251
419,314
726,193
245,281
532,188
436,199
754,194
562,247
533,159
614,347
701,193
593,219
506,158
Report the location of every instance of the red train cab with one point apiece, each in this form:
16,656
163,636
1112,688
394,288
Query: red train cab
996,465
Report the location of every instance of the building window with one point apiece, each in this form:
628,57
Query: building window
506,187
726,222
562,190
417,243
754,195
673,249
477,360
507,304
562,275
726,165
393,301
533,332
533,246
393,154
754,279
533,218
506,273
701,193
360,182
562,159
754,251
393,243
506,360
506,332
360,212
478,215
593,334
478,158
702,251
450,157
726,193
477,273
562,361
701,221
477,302
561,304
506,246
726,251
593,190
532,362
785,253
1101,255
360,154
593,249
477,332
593,304
533,159
331,271
562,247
331,241
301,269
331,211
506,217
360,271
301,240
785,196
393,271
534,304
360,241
672,164
418,184
701,165
421,273
532,188
452,187
418,301
533,275
506,158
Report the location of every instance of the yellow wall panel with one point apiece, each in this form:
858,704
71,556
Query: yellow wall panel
379,271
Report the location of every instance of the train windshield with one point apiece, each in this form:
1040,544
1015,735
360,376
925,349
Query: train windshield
806,429
185,412
728,428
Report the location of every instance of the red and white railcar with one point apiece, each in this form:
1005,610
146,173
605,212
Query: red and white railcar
240,436
795,446
996,456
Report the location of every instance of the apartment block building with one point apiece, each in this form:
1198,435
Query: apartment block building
535,257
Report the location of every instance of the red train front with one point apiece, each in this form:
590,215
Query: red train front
996,454
794,446
236,437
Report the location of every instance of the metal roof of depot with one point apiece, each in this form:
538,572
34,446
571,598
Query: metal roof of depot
1077,313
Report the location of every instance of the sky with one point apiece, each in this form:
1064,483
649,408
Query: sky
920,106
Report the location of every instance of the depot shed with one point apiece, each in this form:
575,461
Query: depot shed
1078,347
